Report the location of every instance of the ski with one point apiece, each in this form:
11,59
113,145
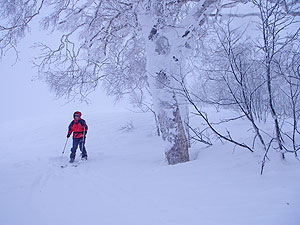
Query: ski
74,164
68,165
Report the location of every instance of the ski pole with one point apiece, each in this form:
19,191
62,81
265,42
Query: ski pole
62,154
83,139
65,146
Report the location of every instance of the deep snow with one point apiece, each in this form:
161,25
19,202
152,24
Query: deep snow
126,180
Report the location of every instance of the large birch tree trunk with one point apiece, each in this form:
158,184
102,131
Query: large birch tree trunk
163,69
165,62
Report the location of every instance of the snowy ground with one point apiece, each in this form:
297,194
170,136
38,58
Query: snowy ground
127,182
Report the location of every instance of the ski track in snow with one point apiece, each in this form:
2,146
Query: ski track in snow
127,182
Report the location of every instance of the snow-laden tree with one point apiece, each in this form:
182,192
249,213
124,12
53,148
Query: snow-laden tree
279,26
14,19
128,44
252,69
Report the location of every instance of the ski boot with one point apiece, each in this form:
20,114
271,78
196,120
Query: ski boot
83,157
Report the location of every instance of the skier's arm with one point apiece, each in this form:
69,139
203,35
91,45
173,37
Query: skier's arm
85,126
70,129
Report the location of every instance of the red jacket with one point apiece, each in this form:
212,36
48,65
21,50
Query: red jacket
78,127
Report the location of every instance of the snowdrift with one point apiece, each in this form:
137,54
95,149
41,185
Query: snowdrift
126,180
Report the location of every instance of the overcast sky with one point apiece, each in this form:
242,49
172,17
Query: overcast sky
22,97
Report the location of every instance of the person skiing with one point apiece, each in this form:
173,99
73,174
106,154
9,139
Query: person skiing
79,129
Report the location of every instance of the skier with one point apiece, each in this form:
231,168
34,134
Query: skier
79,128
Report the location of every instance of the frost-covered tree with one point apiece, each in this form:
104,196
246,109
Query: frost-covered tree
232,77
15,16
128,44
253,69
279,26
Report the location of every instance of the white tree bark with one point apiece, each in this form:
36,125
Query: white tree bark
163,68
165,65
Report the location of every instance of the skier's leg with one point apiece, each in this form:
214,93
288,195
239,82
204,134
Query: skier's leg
82,148
74,148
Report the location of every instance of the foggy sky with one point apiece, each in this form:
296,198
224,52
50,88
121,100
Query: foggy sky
23,96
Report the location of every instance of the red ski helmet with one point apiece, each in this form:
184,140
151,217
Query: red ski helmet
77,113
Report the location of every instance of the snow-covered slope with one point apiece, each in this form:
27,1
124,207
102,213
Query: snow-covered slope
127,182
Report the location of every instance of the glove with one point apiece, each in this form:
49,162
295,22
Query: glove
68,135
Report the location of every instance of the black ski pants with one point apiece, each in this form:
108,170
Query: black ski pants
81,143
